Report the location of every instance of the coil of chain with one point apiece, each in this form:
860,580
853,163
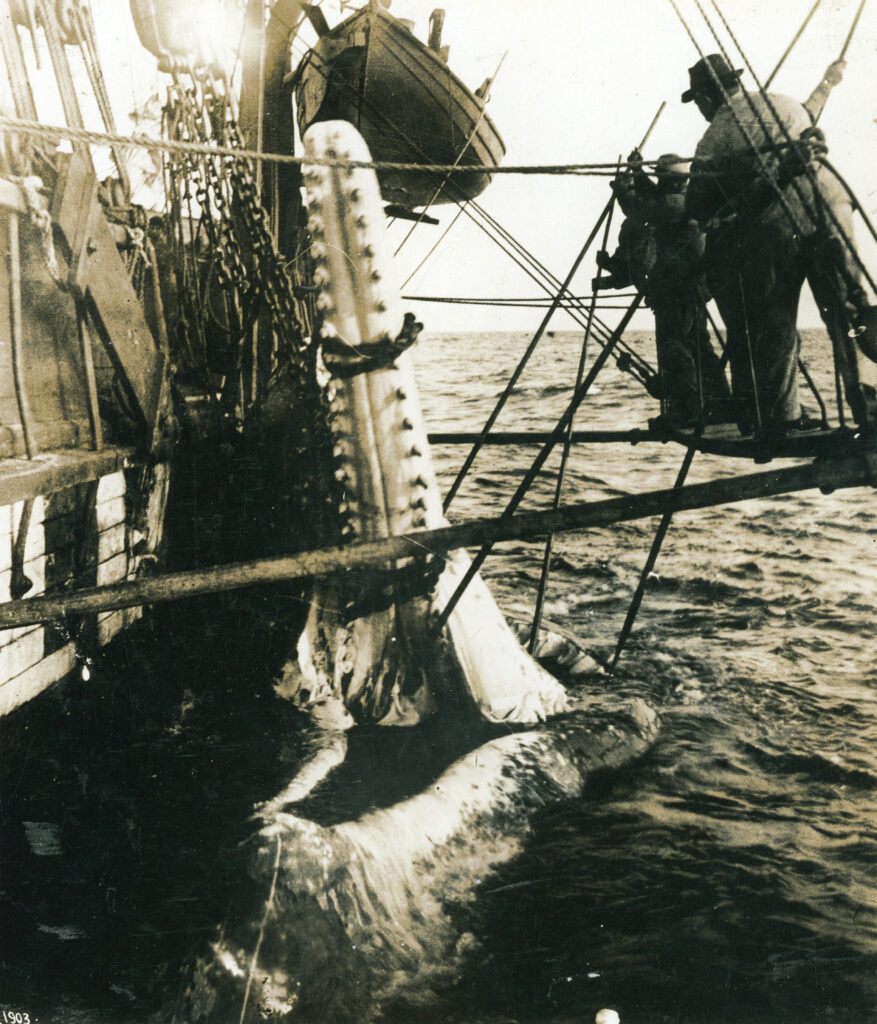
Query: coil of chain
249,265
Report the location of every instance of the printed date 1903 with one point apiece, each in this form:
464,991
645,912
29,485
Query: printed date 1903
15,1017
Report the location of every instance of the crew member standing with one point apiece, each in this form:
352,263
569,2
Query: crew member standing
769,223
693,385
635,255
690,381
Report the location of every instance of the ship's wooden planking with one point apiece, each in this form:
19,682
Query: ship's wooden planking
81,534
82,479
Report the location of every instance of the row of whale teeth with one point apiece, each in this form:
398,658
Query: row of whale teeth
413,514
359,205
368,218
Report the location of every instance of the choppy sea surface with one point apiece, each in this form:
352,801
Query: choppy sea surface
730,874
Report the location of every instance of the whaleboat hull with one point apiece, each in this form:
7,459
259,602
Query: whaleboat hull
407,104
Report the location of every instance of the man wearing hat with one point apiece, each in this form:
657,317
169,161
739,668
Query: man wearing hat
760,247
634,256
690,379
692,382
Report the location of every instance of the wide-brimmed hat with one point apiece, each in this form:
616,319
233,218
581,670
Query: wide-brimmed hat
706,72
671,163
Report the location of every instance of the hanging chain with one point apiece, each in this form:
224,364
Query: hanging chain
245,262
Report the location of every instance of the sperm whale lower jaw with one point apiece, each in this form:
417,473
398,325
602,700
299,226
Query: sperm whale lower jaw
382,661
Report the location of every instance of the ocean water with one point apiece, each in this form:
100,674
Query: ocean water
726,875
731,875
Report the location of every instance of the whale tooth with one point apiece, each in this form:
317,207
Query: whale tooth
322,276
415,452
407,424
353,195
418,481
315,225
342,475
325,303
361,221
348,530
400,394
420,504
327,330
319,251
376,275
381,306
368,251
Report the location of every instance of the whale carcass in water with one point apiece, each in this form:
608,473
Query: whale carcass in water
349,917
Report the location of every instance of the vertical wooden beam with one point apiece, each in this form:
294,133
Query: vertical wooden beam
97,434
17,330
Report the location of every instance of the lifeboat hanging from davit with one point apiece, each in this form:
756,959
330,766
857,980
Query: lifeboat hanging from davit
372,71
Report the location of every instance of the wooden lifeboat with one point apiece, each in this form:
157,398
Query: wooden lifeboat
372,71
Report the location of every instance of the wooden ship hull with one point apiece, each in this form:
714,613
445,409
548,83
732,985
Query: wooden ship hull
85,406
111,350
407,104
131,341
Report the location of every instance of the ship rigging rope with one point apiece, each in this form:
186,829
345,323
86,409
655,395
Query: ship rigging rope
791,45
823,209
534,301
141,141
138,140
503,238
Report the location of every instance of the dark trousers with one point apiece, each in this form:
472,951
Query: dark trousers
691,373
756,268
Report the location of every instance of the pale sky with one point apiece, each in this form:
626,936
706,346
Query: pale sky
580,82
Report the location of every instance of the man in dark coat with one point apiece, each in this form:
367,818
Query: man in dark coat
691,383
771,220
